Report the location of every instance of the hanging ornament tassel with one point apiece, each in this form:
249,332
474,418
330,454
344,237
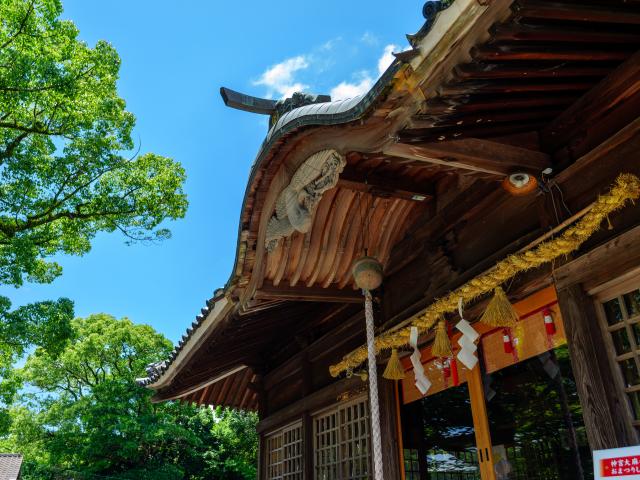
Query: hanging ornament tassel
499,312
394,370
441,344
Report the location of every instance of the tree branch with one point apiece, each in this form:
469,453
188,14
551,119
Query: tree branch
23,24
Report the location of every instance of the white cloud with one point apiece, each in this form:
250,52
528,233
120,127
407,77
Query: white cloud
349,90
280,77
363,85
369,38
387,58
330,44
282,80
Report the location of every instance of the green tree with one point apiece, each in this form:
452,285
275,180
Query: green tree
63,131
65,174
86,417
45,324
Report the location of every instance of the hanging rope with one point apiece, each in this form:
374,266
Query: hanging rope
626,188
373,389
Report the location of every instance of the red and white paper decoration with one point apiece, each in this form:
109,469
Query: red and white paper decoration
422,382
467,354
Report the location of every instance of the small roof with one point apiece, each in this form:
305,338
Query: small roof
10,464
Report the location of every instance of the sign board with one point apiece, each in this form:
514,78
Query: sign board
617,463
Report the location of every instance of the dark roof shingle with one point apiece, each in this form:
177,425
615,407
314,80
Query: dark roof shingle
10,464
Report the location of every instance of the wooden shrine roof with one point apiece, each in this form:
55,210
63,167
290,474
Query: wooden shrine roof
487,88
10,465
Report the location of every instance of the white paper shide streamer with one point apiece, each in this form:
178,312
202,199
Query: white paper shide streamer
467,354
422,382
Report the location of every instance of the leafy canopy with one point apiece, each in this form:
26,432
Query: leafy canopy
45,324
63,133
87,418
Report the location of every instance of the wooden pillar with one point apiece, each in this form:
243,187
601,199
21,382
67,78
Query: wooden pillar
260,470
307,445
258,387
307,419
481,424
389,428
403,473
605,416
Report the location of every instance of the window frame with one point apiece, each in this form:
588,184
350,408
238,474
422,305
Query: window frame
341,442
608,291
283,461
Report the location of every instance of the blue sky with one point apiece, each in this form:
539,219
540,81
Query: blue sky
175,56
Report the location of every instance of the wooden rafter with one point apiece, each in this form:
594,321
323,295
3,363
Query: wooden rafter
385,186
546,10
494,71
307,294
609,104
574,34
473,154
483,118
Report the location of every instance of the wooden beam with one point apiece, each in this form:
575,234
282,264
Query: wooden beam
318,399
518,53
494,71
599,113
483,118
613,258
481,423
515,32
461,104
389,428
606,420
307,294
385,186
474,154
330,340
481,87
576,12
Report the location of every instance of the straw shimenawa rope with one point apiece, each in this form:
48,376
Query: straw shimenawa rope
626,188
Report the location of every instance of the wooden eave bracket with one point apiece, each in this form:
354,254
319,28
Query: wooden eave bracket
474,154
384,186
307,294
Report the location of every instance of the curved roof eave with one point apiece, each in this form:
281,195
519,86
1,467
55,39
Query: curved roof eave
336,112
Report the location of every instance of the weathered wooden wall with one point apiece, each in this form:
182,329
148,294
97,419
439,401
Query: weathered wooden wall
605,407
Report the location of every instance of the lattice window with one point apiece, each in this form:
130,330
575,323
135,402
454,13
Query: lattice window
621,318
341,443
284,454
411,464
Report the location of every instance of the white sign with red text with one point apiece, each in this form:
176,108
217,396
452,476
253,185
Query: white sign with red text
617,463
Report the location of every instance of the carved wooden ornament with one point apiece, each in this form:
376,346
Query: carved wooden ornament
296,204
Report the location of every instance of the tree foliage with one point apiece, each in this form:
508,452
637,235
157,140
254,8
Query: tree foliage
46,325
85,417
63,132
64,171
